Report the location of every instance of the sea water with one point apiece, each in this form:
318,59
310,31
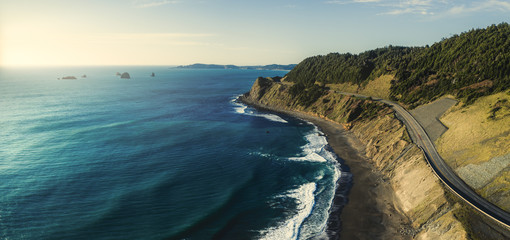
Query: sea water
174,156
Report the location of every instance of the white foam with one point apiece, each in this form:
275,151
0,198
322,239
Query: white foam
315,148
305,198
266,155
238,107
243,109
316,223
272,117
314,204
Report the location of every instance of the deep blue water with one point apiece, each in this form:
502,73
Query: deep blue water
165,157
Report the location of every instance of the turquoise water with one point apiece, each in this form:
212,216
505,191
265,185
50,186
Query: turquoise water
167,157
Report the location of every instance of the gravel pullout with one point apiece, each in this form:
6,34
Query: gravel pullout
428,116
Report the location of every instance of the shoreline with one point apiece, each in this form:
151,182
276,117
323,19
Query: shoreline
368,212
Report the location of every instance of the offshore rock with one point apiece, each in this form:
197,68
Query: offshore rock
125,75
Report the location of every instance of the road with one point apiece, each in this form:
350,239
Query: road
441,169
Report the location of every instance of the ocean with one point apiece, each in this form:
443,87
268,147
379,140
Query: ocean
174,156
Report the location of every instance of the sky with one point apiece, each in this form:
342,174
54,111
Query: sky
241,32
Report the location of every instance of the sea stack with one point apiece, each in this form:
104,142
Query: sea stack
125,75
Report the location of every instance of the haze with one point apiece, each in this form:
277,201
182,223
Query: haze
164,32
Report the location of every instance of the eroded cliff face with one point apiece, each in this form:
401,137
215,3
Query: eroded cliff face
418,194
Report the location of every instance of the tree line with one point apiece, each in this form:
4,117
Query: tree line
468,65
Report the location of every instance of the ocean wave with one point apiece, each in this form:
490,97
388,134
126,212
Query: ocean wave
243,109
266,155
314,199
316,149
290,229
315,225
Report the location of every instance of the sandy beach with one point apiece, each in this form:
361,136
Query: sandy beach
369,212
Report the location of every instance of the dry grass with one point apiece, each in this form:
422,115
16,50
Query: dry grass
343,87
498,191
379,87
473,137
478,133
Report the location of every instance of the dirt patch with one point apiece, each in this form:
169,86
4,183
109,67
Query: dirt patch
432,82
486,83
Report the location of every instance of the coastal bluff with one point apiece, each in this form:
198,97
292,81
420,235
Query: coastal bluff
426,209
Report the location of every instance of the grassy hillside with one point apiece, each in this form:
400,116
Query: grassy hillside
473,67
478,132
476,145
378,87
470,65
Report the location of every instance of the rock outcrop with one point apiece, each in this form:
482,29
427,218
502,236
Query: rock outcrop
125,75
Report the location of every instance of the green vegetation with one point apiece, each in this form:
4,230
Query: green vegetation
349,68
306,95
502,105
470,65
367,109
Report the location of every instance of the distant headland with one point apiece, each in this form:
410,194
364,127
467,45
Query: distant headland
260,67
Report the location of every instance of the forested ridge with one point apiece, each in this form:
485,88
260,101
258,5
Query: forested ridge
469,65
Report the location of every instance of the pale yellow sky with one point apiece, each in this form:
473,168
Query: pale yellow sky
34,44
168,32
55,32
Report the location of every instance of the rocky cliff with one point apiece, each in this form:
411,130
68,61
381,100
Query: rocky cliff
418,194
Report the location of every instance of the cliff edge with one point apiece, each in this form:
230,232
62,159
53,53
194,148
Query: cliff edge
418,195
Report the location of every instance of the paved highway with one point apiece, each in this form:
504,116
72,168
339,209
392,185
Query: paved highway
442,170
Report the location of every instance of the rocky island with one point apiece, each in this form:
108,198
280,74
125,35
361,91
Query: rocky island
125,75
